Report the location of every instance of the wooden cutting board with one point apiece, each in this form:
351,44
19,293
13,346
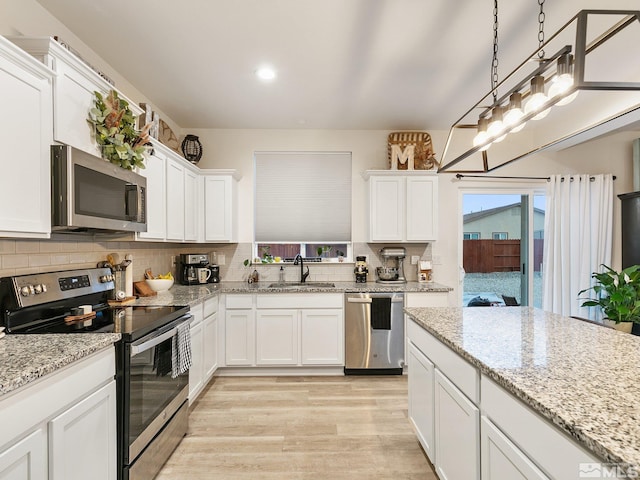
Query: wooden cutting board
143,289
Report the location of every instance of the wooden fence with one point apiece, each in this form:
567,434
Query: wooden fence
488,256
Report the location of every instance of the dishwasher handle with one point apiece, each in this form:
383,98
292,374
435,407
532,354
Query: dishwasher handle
395,299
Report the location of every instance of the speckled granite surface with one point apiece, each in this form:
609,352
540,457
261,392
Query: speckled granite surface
581,376
25,358
191,295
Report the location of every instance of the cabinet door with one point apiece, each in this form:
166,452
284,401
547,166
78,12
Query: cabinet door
277,337
240,344
72,455
422,210
156,174
322,339
386,208
457,433
210,345
191,207
27,459
220,222
26,137
175,200
196,371
502,459
421,399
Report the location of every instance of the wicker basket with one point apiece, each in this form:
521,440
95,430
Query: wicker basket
422,157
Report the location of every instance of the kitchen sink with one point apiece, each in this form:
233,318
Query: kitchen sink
296,285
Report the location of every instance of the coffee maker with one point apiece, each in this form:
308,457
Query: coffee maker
189,265
215,274
392,269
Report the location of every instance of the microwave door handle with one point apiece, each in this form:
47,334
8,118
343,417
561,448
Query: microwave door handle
134,202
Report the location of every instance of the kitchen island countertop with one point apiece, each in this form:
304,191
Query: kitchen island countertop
581,376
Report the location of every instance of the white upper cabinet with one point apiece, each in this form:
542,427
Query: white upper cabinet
220,191
175,200
26,136
403,206
156,173
73,90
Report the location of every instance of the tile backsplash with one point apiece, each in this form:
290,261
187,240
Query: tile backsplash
67,252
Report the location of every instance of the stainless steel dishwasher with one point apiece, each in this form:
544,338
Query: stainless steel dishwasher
374,333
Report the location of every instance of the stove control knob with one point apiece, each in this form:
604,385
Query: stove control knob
104,278
25,291
44,288
37,289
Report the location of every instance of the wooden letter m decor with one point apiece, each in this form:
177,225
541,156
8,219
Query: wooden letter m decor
400,158
411,151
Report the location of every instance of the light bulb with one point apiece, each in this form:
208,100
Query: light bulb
496,126
514,113
482,136
563,81
537,98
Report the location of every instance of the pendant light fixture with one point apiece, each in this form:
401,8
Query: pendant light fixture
599,92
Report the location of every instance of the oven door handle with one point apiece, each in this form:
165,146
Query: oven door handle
141,346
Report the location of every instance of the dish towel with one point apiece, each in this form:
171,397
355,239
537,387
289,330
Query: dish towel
381,313
181,350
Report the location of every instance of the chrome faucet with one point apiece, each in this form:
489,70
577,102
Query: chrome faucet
303,275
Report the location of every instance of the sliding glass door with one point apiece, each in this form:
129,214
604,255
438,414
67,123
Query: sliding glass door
502,247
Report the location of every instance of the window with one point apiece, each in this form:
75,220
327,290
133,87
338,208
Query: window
471,236
303,205
500,235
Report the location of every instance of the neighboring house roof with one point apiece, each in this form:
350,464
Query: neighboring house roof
470,217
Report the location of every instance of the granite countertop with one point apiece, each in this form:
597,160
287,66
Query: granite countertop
25,358
194,294
581,376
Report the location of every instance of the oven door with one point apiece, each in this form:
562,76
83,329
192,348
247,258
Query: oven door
151,395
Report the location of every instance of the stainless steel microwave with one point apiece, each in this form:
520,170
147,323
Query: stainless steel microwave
91,194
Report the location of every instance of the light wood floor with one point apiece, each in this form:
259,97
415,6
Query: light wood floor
300,428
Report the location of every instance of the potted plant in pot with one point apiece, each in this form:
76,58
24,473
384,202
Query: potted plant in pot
618,295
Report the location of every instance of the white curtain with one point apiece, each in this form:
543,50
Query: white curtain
578,232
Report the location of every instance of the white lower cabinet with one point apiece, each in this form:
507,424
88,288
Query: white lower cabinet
421,399
63,426
277,337
501,459
210,339
322,337
284,330
240,334
74,428
196,370
27,459
457,422
204,346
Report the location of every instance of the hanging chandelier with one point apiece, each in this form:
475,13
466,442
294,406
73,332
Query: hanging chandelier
588,86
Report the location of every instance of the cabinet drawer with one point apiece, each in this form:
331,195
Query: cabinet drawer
431,299
552,450
464,375
300,300
210,306
239,301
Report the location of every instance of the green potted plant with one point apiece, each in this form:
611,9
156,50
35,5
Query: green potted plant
618,295
115,131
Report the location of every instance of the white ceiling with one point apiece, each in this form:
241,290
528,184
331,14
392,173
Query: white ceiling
342,64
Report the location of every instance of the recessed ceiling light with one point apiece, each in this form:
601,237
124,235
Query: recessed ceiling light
266,73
